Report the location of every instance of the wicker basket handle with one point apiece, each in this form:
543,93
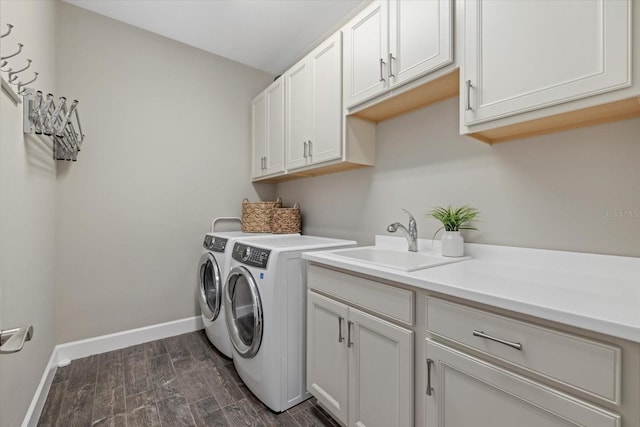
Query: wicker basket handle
279,200
296,205
245,200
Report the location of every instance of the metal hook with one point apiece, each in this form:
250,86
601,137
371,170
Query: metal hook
21,86
12,74
2,66
8,31
20,45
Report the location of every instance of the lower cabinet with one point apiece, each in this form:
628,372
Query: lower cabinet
359,366
472,365
463,390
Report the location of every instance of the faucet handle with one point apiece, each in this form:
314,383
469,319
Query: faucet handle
413,227
411,218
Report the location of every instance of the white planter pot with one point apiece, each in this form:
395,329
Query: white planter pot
452,244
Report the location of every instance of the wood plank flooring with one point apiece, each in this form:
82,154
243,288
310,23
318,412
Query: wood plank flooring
177,381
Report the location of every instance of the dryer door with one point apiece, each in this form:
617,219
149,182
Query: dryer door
210,285
243,310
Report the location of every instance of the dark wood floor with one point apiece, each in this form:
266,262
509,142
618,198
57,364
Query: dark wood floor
178,381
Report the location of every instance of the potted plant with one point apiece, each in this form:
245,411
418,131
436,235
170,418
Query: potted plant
453,220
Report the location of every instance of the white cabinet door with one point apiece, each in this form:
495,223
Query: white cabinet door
298,117
365,54
259,134
469,392
380,372
267,137
420,38
525,55
325,66
275,128
327,373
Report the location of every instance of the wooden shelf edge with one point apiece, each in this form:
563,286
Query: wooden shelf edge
436,90
610,112
321,170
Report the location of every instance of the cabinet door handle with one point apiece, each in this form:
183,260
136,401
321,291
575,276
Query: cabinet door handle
265,162
304,154
429,388
349,343
261,163
481,334
391,58
468,86
381,65
340,337
309,145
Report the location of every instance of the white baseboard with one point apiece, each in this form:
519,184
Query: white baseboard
83,348
40,396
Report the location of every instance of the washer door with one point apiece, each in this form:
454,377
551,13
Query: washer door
243,310
210,284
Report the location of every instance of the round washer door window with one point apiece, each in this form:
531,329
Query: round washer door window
210,285
243,310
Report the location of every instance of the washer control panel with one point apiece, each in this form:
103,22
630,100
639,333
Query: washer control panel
250,255
215,244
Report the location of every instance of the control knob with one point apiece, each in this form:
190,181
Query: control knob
247,254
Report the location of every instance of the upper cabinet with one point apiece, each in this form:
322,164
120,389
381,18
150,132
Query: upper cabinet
539,67
267,118
522,68
521,56
314,106
420,38
299,126
392,42
365,54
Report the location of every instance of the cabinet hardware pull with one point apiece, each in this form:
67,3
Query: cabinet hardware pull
305,155
349,343
481,334
391,58
381,65
262,163
265,162
309,145
340,337
468,84
429,388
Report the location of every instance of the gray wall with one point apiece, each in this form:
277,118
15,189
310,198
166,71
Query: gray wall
166,151
27,213
577,190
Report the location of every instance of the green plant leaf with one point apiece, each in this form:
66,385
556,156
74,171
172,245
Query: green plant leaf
454,219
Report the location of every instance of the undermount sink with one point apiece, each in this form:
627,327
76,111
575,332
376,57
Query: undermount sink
396,259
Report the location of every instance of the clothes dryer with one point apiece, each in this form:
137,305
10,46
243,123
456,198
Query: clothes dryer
265,307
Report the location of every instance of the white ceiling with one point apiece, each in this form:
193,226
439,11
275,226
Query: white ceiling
269,35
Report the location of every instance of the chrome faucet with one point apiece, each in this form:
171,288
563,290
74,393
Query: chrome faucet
411,234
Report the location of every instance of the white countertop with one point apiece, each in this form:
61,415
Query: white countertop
600,293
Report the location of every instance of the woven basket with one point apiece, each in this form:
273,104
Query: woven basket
256,216
286,220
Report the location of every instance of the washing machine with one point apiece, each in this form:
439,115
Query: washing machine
211,277
265,307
